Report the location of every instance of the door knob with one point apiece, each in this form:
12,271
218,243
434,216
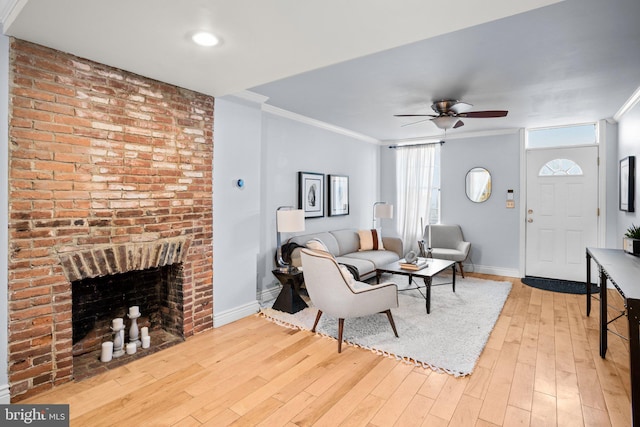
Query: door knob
530,220
530,211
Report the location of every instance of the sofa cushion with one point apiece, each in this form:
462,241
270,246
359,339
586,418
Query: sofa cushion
377,258
348,240
364,266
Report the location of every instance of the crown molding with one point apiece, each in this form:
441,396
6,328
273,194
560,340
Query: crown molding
317,123
462,135
247,95
628,105
10,12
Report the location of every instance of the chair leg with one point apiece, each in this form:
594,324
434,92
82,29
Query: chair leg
461,270
317,320
340,329
393,324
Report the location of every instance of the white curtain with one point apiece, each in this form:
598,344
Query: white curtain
414,168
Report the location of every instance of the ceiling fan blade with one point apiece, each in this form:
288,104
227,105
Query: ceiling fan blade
414,115
485,114
460,107
458,124
414,123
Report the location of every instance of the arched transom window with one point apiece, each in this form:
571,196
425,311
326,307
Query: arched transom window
557,167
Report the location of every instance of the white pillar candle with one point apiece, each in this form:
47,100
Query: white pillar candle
131,348
144,331
134,310
146,341
107,351
117,323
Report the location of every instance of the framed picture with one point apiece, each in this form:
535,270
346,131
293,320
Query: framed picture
338,195
627,183
311,194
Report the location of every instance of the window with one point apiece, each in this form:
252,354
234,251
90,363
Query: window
564,136
418,190
557,167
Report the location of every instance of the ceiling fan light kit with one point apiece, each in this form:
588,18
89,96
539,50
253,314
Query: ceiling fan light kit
450,111
445,122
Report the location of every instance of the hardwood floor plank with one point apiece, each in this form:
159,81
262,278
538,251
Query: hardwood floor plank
541,367
543,410
416,411
521,394
399,400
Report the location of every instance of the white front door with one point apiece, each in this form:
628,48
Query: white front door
562,211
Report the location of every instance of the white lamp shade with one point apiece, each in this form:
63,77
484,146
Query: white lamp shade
445,122
383,211
290,221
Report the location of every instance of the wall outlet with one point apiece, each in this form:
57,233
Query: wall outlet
511,204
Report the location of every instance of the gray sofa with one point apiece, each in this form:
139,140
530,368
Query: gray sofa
344,245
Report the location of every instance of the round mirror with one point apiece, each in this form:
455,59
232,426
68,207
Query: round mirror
478,185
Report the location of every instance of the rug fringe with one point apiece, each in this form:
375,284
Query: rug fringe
406,360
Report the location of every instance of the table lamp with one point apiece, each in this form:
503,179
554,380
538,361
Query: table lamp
381,210
288,220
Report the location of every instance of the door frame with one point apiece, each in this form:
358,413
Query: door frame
602,192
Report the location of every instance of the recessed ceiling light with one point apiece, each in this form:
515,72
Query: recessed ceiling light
204,38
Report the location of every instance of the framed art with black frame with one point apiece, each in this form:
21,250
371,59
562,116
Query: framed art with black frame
311,194
627,183
338,195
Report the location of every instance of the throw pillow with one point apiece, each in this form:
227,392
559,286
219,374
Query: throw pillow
370,240
317,245
348,277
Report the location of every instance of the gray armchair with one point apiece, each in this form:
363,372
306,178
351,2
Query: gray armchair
335,292
447,242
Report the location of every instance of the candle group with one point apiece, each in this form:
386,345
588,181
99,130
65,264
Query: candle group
131,348
111,349
117,323
107,351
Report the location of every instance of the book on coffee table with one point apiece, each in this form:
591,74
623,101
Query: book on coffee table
418,264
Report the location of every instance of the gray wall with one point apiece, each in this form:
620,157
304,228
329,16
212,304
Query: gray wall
629,145
236,212
290,146
268,150
492,229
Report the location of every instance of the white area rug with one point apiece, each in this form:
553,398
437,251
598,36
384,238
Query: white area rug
449,339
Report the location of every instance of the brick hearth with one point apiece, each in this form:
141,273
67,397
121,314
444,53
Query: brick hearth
109,172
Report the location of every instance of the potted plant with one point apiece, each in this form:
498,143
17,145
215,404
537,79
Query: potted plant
631,243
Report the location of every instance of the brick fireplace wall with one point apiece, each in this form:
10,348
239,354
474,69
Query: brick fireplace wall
99,158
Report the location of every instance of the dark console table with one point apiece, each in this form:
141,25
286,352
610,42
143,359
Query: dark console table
623,271
289,299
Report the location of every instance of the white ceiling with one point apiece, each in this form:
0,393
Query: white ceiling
354,64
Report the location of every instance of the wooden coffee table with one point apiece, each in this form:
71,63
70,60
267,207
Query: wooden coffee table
434,267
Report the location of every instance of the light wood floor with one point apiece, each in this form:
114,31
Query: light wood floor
540,367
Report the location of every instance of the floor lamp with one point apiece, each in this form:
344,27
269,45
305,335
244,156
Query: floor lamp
381,210
288,220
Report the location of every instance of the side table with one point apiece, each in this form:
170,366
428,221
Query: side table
289,299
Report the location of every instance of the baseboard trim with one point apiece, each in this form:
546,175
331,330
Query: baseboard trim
5,394
235,313
269,294
486,269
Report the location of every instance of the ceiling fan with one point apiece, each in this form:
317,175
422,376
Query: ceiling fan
449,112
